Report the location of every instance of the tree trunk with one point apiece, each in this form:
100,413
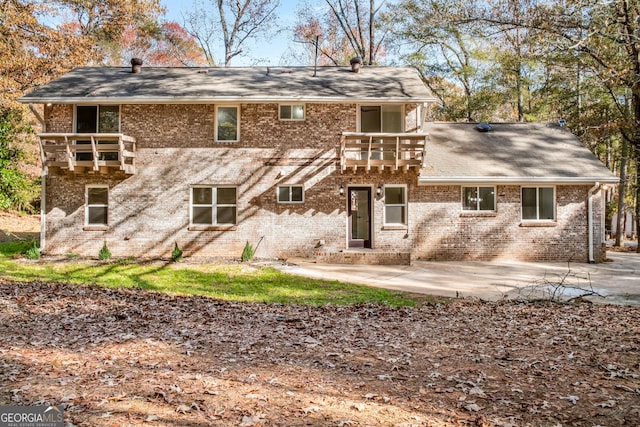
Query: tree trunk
622,190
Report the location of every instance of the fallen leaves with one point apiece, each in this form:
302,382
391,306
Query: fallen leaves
128,357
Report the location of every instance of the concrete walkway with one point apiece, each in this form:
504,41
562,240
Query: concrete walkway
617,281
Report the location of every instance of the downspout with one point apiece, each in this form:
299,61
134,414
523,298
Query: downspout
43,186
590,194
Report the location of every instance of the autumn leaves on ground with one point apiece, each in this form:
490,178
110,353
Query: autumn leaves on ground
119,357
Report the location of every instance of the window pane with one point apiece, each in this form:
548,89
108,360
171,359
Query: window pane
202,196
285,111
227,124
226,215
392,118
296,194
529,207
546,203
86,118
469,198
97,196
394,214
202,215
394,195
226,196
283,194
487,199
298,112
109,119
97,215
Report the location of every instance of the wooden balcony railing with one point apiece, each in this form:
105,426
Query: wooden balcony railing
391,151
79,152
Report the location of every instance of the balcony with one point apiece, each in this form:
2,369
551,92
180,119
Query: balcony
391,151
82,152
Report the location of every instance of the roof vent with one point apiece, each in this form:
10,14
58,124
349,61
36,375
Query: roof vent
483,127
355,64
136,65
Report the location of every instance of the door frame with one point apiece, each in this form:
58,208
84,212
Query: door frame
350,243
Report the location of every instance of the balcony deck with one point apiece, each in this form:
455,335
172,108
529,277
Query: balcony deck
392,151
82,152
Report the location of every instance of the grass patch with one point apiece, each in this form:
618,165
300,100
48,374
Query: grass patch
234,282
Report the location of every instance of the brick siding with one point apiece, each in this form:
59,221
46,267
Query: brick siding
149,211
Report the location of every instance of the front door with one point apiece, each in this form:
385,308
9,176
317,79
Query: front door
359,217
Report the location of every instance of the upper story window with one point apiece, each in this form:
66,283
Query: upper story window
292,112
97,205
227,126
381,118
395,205
538,203
97,118
290,194
478,198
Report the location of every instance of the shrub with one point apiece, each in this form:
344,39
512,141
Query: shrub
247,253
33,252
176,255
104,253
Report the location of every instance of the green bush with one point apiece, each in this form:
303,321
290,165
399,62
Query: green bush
176,255
33,252
104,253
247,253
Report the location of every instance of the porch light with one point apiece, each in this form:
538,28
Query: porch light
379,190
341,189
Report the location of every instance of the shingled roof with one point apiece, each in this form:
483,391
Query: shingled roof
252,84
508,153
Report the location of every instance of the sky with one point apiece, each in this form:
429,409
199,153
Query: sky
263,52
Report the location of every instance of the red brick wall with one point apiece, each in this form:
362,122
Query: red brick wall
149,211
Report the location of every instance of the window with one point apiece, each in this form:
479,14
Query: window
292,112
227,124
478,199
290,194
395,205
97,119
538,203
213,205
97,206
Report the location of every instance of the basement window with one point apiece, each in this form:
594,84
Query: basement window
538,203
213,206
479,199
97,206
290,194
292,112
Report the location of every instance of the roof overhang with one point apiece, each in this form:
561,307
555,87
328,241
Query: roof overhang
217,100
516,180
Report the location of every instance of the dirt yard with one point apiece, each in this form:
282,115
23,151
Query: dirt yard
14,226
130,357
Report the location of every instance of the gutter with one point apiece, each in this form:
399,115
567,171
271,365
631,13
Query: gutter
590,194
475,180
43,193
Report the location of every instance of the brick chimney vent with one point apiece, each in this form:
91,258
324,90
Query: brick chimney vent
136,65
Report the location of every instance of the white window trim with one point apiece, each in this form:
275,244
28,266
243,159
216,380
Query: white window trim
304,112
237,107
405,204
477,187
538,187
214,204
87,205
289,202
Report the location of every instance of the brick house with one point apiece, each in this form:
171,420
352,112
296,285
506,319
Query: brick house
336,163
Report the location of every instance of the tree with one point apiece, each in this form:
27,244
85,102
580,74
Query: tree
237,20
